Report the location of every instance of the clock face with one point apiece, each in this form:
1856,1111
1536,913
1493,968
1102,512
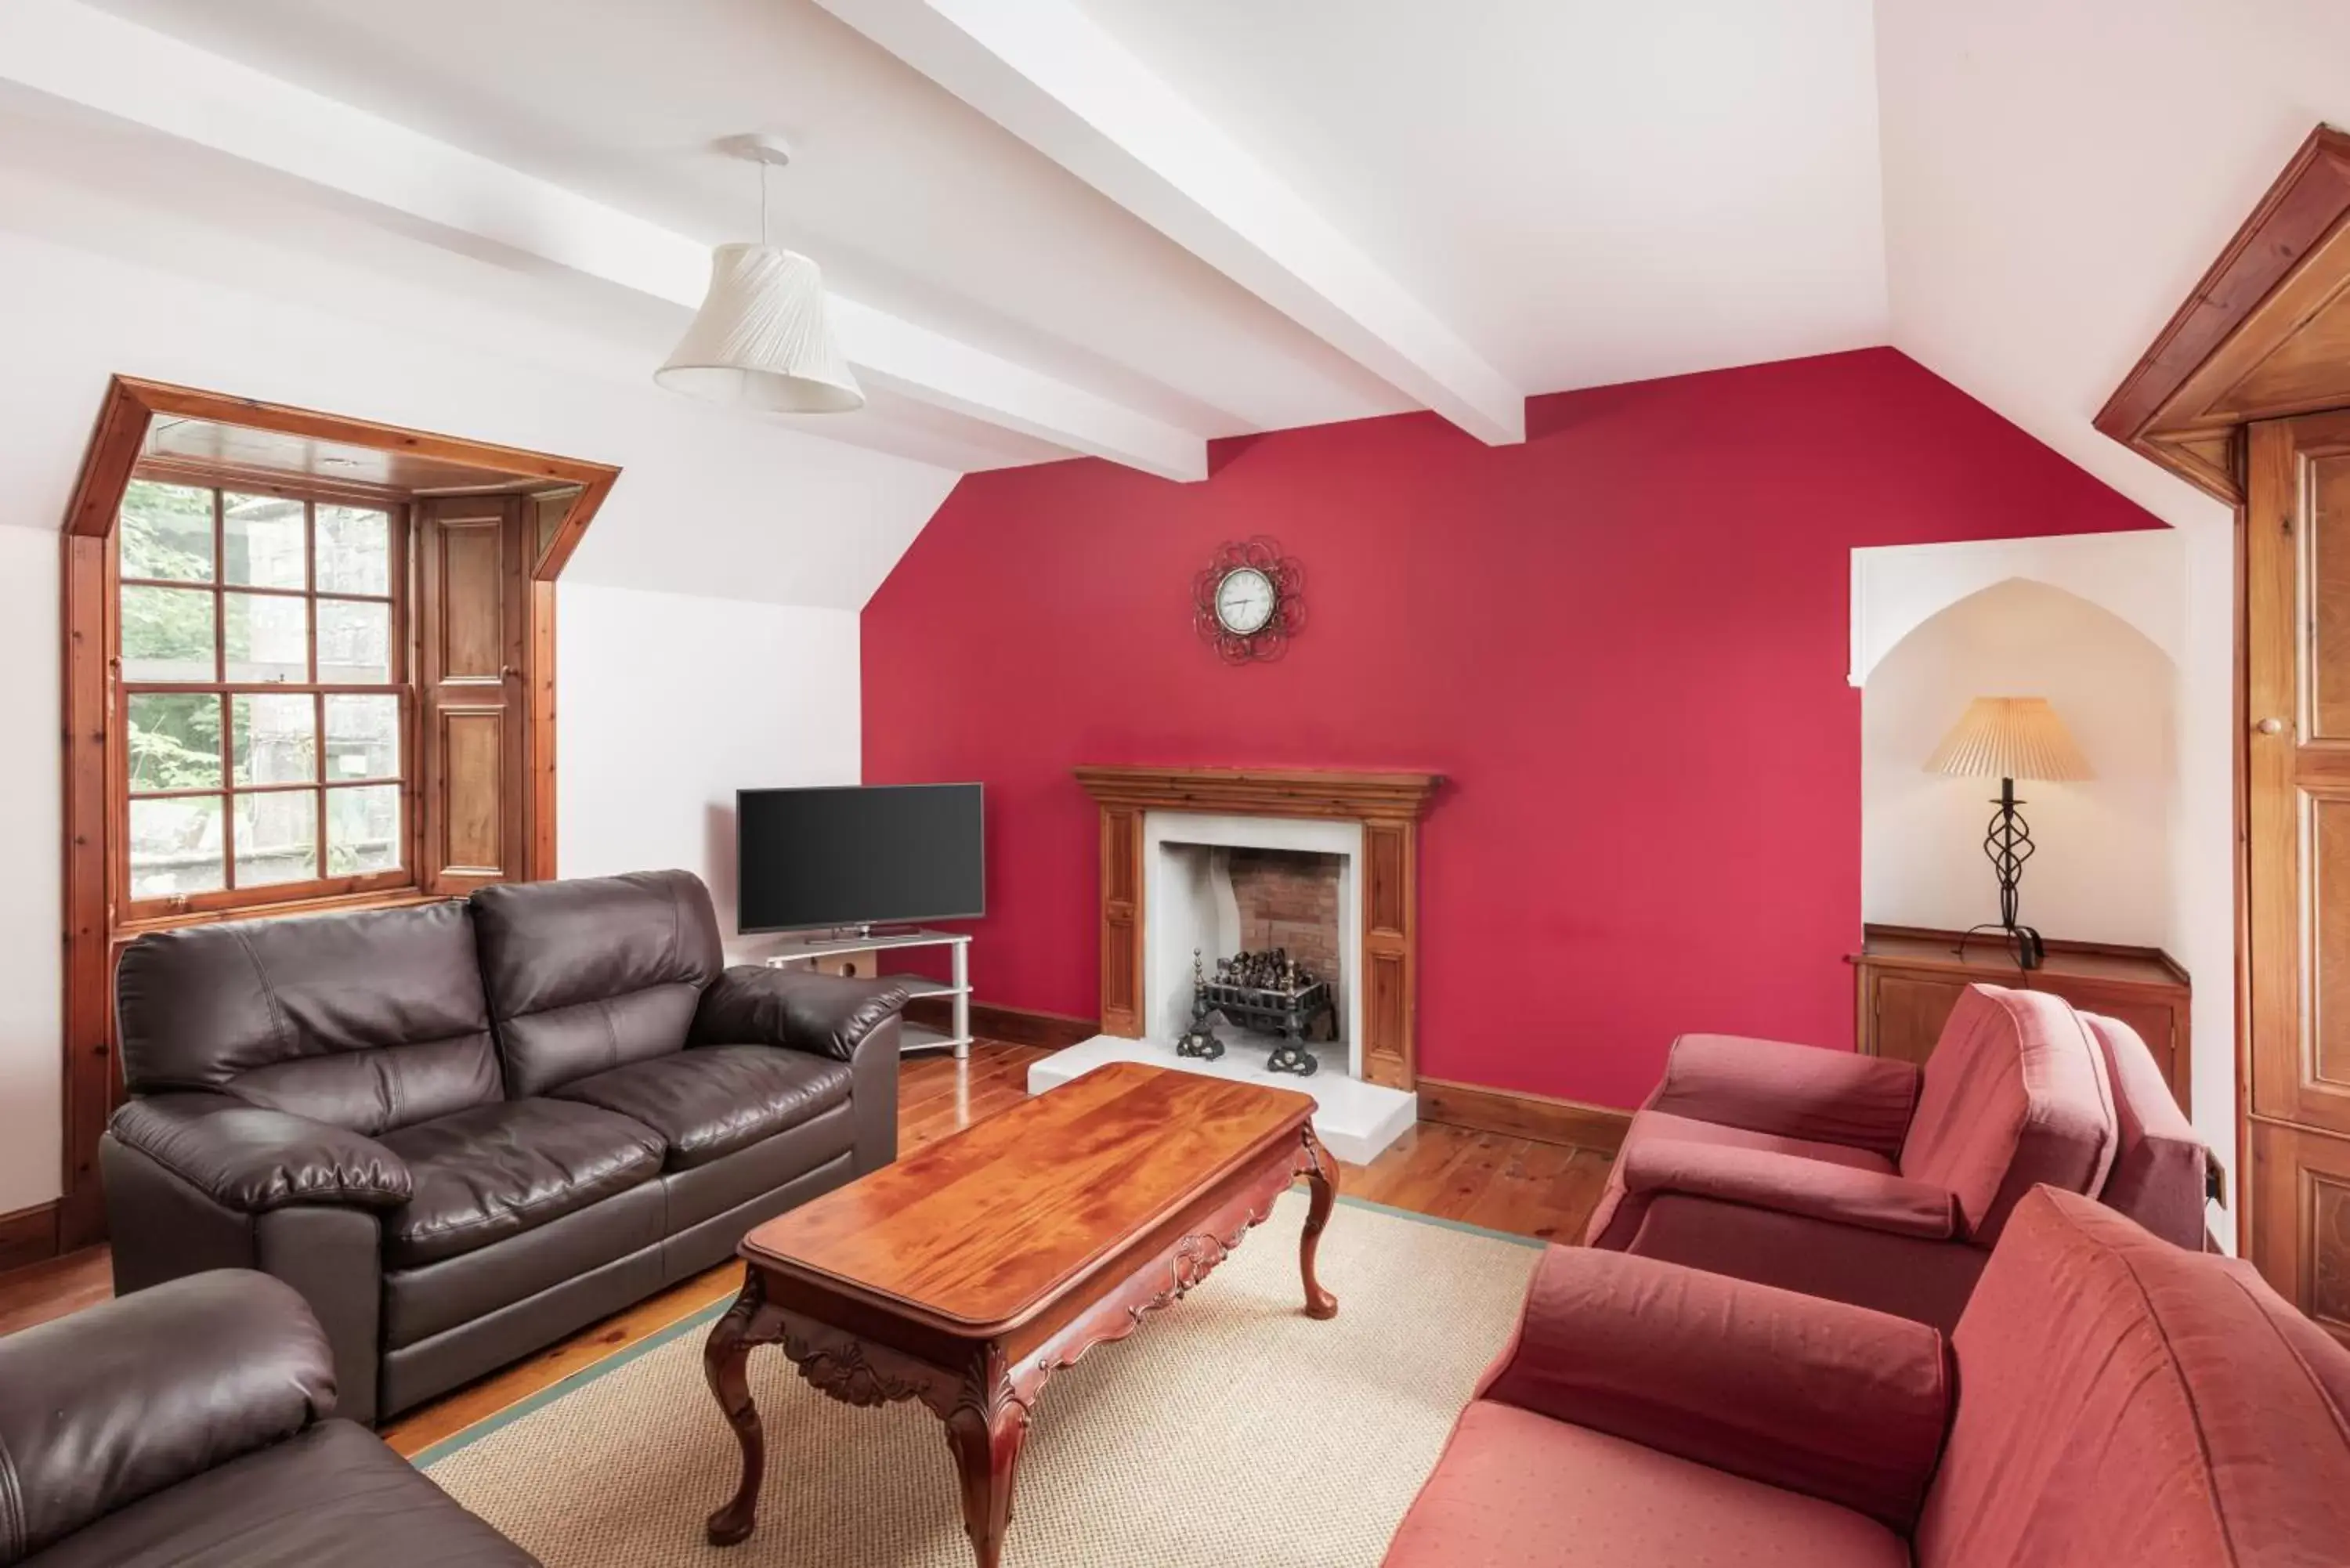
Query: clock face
1245,601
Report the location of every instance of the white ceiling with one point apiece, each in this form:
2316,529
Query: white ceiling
1533,195
1590,191
2058,177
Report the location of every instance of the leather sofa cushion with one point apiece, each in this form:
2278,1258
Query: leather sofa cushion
366,1021
714,1099
334,1494
103,1407
1519,1489
436,1298
494,1171
593,972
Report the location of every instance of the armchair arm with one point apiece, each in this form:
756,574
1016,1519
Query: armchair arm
822,1014
122,1399
254,1160
1792,1091
1812,1395
1791,1184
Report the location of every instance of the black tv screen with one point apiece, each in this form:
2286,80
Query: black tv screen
853,856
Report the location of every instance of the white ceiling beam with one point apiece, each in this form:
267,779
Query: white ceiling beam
1052,76
83,55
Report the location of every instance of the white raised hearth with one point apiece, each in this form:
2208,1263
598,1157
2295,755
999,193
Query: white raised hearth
1166,840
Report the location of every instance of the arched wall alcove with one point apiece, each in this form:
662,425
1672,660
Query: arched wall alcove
2102,871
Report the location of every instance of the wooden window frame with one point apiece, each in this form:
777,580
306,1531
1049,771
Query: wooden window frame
134,912
95,926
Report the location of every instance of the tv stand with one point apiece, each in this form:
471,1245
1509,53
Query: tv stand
810,949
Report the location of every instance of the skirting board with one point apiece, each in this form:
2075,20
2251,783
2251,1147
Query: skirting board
1518,1115
1012,1025
29,1236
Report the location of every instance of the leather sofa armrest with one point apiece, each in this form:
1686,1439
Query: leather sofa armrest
822,1014
125,1399
1792,1184
254,1160
1790,1091
1811,1396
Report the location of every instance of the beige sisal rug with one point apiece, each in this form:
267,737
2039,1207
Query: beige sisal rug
1232,1431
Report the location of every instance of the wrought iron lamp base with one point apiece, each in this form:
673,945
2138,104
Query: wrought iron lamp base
2009,844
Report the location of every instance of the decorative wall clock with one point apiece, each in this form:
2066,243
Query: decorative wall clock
1249,601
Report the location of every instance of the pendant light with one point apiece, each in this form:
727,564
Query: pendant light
762,339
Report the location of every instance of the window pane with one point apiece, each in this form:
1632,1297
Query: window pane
175,847
276,739
354,643
277,838
354,550
167,532
175,741
362,737
262,536
167,634
362,830
268,638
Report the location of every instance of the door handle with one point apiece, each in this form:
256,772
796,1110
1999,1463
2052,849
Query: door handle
2270,726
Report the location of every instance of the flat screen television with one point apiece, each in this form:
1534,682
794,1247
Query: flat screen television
857,855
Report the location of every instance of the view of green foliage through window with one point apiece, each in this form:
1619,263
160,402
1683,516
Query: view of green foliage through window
260,700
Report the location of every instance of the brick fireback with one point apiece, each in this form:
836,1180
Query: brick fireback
1289,898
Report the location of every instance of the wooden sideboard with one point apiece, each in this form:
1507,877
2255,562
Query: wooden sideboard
1905,981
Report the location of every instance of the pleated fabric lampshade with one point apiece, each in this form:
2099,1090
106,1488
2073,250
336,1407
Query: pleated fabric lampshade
2010,738
762,339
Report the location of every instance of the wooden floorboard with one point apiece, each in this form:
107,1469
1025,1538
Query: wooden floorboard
1513,1184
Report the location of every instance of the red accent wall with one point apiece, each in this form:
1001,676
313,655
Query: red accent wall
1624,642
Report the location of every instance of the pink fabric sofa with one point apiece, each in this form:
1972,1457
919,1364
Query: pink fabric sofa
1869,1181
2107,1399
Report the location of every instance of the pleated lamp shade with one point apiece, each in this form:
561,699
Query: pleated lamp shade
2010,738
762,339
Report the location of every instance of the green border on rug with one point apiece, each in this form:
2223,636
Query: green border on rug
426,1457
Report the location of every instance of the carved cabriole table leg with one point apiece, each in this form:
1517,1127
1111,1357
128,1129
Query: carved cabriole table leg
725,1363
1321,1173
986,1428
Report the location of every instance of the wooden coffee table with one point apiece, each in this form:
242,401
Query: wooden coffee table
969,1272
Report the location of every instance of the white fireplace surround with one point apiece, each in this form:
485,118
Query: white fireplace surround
1186,904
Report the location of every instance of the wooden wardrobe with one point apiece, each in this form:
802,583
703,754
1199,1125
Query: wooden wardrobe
2246,394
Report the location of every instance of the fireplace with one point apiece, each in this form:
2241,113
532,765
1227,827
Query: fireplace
1216,861
1199,870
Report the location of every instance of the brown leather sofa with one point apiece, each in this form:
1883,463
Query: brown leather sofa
464,1130
190,1426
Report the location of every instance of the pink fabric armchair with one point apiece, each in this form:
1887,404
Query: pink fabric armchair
2107,1398
1864,1179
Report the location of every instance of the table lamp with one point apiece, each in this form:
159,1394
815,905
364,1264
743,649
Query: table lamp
2010,738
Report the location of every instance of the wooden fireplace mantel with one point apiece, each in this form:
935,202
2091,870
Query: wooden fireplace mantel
1264,792
1388,805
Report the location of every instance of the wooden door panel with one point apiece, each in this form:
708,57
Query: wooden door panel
472,785
472,569
2300,1219
2326,862
1910,1013
471,563
2297,770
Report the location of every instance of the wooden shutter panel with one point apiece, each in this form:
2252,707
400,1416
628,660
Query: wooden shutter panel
473,564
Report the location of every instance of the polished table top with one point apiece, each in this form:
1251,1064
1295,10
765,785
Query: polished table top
982,1229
